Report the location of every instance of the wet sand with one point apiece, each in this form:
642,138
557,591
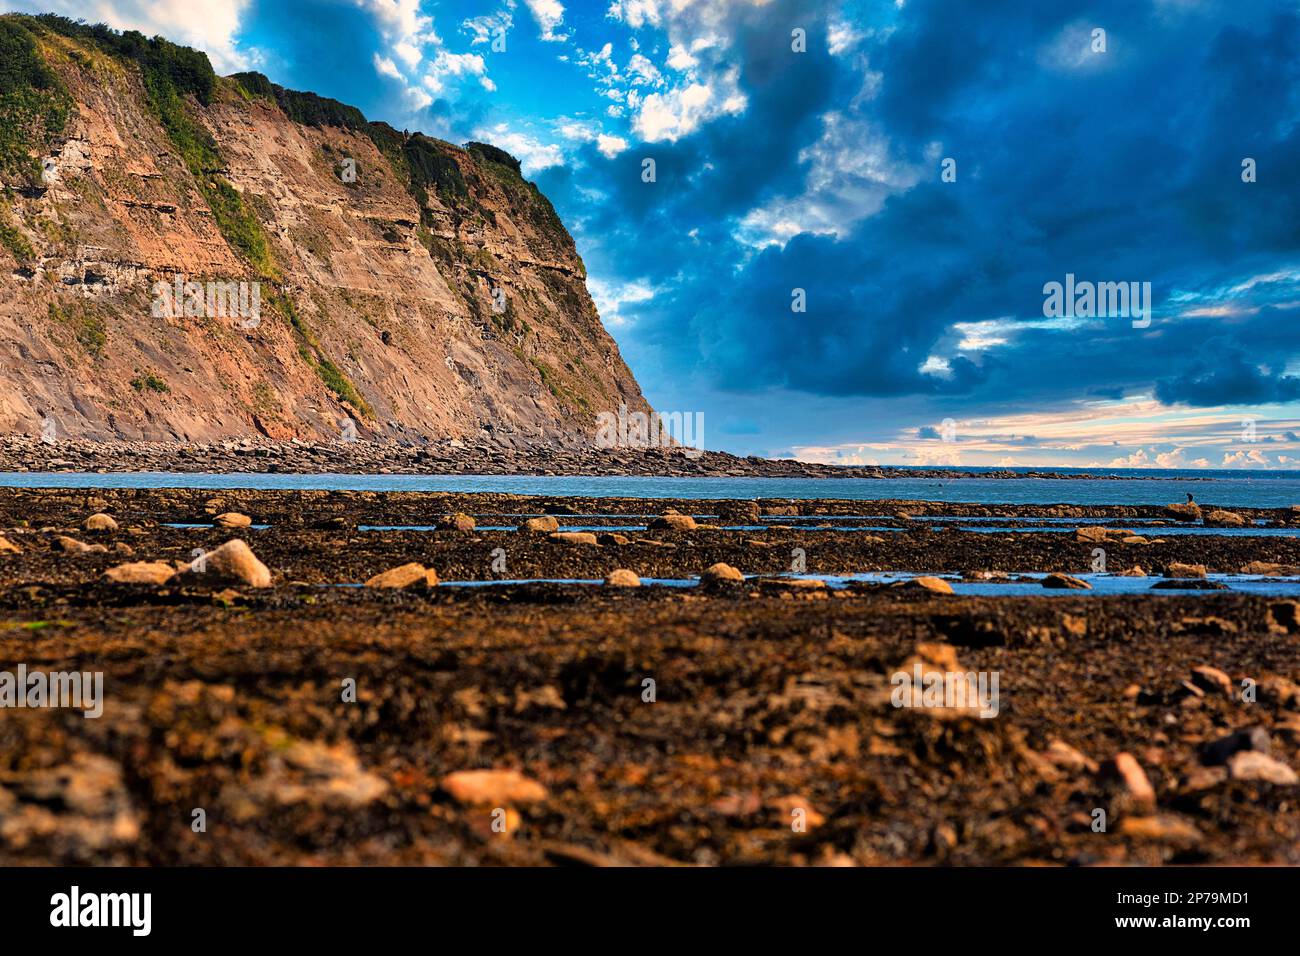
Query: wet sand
771,738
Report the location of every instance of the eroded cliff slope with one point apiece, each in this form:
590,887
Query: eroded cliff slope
410,286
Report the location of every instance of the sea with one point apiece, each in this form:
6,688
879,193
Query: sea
1222,488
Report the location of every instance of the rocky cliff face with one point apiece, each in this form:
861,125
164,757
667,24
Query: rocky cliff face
397,282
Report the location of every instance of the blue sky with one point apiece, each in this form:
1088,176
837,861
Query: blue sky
1114,156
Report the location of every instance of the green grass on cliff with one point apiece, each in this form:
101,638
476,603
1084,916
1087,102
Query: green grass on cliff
308,109
11,238
309,348
34,103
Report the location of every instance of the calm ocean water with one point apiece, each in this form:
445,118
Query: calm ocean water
1134,487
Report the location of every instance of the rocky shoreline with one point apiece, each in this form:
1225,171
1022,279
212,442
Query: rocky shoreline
325,695
559,454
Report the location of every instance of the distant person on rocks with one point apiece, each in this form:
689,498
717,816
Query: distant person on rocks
1189,499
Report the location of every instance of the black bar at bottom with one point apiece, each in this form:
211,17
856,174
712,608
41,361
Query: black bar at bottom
728,905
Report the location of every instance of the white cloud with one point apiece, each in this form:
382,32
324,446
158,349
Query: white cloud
643,71
583,132
635,13
484,29
532,153
679,112
416,97
680,59
703,83
405,29
575,129
610,146
842,37
386,67
549,14
610,298
1245,458
851,173
1072,50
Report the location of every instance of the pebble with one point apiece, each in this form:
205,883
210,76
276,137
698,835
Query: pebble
1253,765
1212,679
793,808
1062,755
1125,768
140,572
1162,828
492,787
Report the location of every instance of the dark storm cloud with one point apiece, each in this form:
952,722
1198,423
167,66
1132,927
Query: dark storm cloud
1123,168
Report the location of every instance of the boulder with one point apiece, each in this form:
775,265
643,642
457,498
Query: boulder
1176,569
1065,581
73,546
673,522
1183,512
456,522
926,582
406,576
99,523
572,537
543,525
741,513
721,574
1225,519
1269,569
232,519
232,562
622,578
8,547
